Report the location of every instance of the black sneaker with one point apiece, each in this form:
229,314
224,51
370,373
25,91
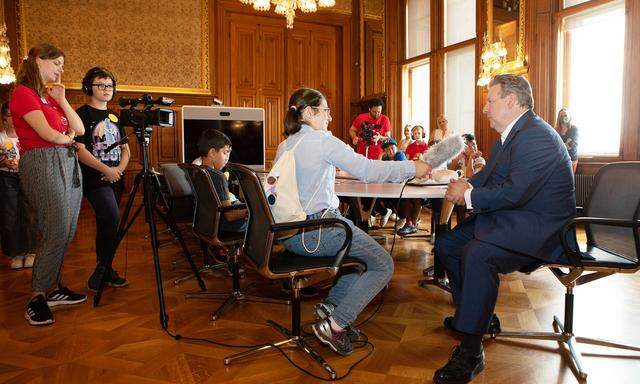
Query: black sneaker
338,341
323,310
64,296
114,280
38,312
461,368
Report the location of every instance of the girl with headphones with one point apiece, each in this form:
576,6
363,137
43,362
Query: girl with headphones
102,168
419,145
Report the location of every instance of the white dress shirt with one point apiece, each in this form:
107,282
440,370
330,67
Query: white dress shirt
503,137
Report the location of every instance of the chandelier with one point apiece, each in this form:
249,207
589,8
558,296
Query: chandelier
6,72
287,8
494,60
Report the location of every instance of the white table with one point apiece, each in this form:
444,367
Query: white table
349,187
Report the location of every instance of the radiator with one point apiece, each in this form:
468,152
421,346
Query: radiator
583,187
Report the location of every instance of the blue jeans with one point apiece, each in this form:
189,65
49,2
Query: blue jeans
351,292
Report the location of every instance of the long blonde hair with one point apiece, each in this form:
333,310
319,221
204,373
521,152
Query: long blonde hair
29,73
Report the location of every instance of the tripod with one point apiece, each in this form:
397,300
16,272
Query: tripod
150,188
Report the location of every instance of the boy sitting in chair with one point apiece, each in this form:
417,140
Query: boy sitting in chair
215,148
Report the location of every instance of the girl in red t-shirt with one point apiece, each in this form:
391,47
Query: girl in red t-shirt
46,125
419,145
410,208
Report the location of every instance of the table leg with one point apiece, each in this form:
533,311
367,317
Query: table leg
435,275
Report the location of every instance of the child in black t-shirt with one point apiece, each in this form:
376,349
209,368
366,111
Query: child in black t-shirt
215,148
101,170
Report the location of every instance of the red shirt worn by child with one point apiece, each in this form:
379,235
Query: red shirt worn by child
25,100
415,149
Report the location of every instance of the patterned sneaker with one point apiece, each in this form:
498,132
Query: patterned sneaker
38,312
338,341
323,310
64,296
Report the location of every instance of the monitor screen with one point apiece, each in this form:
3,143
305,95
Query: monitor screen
244,126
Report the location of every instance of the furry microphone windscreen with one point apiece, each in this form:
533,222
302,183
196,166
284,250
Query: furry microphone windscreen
444,151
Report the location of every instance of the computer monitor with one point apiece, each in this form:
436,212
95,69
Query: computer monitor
244,126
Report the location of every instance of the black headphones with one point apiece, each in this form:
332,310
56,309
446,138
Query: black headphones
96,72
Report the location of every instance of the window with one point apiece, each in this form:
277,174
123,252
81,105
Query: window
416,95
590,84
459,89
418,27
571,3
453,58
460,21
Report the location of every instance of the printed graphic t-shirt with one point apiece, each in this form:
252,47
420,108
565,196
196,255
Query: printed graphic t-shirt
101,129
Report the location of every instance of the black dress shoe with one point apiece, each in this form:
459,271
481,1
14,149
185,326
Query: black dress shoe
461,368
494,325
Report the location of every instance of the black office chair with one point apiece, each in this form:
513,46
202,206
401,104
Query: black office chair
206,222
207,264
302,271
612,222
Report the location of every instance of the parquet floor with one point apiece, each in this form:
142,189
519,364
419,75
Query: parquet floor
121,341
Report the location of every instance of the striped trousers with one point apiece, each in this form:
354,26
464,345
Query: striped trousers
51,180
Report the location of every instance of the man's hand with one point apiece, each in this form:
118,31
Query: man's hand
422,168
112,175
12,164
455,191
377,137
356,140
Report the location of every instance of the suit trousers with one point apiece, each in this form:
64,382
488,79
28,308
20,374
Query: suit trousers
472,266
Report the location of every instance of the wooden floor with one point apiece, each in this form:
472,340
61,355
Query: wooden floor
121,341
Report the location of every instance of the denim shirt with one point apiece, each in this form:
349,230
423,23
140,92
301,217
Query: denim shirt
318,155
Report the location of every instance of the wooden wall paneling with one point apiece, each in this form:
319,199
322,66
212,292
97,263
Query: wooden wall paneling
271,91
374,57
325,67
394,29
631,91
298,51
244,44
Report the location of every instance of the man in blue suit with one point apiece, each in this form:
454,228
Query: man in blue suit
521,200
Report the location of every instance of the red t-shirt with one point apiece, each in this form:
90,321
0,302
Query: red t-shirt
25,100
381,125
415,149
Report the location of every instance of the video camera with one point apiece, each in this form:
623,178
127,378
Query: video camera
146,116
368,132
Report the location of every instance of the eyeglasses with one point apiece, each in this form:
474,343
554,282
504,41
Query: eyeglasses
326,109
102,87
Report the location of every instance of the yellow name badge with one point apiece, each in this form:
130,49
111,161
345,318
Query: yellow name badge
113,118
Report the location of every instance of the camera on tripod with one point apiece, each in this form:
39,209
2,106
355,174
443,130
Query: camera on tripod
147,115
368,132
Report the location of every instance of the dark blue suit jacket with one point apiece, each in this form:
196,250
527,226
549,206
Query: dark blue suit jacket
525,193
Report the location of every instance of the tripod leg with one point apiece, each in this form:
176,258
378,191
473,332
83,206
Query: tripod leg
174,228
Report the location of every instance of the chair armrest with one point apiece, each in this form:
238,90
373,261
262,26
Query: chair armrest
574,255
344,249
232,207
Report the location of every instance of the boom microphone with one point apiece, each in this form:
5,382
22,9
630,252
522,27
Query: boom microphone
444,151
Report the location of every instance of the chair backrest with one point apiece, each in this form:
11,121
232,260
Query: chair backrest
177,183
615,195
259,237
206,219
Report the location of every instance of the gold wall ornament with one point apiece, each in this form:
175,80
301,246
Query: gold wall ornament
6,72
287,8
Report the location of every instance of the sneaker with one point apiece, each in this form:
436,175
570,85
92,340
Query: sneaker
401,223
38,312
324,309
29,259
114,280
17,262
64,296
407,230
338,341
384,219
393,217
372,221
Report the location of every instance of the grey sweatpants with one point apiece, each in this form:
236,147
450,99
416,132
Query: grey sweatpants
52,182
